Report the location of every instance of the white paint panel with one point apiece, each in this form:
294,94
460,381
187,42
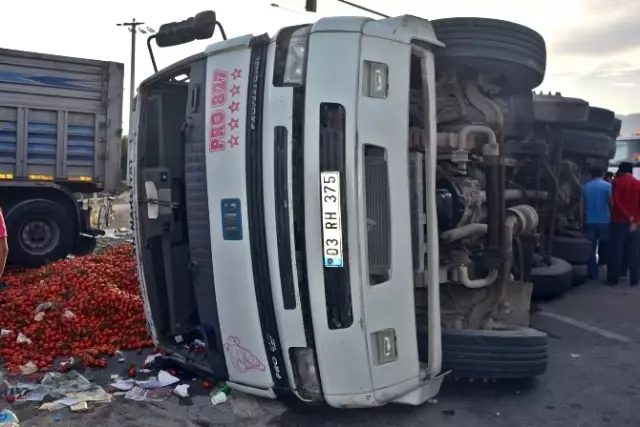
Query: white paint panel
277,112
226,179
384,123
333,76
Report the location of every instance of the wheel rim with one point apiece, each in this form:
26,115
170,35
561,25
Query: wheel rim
39,236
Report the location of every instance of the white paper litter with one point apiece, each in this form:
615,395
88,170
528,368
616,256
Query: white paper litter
4,332
123,385
39,316
181,390
150,359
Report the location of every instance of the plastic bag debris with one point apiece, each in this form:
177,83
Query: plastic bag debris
58,385
8,419
148,395
22,339
5,332
220,396
181,390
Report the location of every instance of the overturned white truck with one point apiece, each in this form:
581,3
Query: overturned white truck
323,212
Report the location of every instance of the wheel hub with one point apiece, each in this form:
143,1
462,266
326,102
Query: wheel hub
39,236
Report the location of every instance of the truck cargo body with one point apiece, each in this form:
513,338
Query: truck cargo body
60,135
60,120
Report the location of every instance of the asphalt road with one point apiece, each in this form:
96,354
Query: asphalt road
593,380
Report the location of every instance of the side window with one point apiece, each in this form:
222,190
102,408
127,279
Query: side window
378,213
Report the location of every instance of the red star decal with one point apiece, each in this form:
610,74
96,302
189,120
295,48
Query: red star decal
235,90
234,106
237,73
233,141
233,124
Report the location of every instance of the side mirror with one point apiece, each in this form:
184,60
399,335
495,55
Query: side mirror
200,27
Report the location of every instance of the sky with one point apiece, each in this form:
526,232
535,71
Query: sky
593,47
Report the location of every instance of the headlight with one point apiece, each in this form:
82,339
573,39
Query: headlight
296,57
307,378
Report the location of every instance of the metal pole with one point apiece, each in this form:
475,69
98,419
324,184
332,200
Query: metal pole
133,65
133,27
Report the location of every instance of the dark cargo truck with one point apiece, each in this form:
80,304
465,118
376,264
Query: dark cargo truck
60,135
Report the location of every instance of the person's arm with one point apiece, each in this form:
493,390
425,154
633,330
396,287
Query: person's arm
4,247
617,202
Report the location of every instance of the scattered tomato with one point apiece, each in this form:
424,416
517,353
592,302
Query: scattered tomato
208,385
97,310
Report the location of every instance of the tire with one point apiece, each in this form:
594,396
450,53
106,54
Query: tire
600,119
509,353
587,143
579,274
559,109
617,126
39,231
552,280
493,46
574,250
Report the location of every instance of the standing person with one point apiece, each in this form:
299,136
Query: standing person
4,248
625,237
596,208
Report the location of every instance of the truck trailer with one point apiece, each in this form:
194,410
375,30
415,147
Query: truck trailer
60,137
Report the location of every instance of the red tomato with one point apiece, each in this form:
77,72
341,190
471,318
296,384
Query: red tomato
96,310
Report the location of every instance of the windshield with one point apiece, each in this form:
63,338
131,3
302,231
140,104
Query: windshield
627,149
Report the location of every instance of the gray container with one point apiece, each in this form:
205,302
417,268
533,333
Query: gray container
60,119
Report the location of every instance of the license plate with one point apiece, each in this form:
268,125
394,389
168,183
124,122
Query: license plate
331,219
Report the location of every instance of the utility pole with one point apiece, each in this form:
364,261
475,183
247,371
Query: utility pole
133,29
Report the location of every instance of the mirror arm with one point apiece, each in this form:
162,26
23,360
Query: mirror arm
222,33
153,58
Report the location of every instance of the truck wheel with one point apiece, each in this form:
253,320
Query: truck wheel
39,231
600,119
551,280
586,143
579,274
559,109
492,46
574,250
615,132
506,353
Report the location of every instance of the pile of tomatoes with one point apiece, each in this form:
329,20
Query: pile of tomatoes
92,309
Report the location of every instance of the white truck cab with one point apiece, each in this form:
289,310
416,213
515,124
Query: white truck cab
285,210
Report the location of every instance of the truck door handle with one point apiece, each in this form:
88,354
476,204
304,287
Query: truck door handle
195,90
